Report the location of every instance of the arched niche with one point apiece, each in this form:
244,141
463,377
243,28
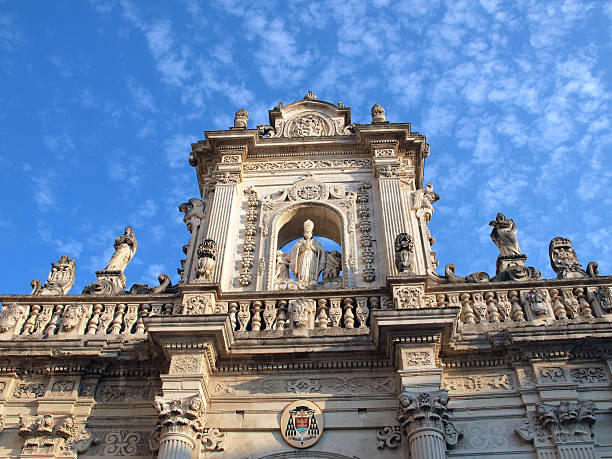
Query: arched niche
330,222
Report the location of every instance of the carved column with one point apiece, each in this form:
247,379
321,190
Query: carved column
223,207
179,427
393,211
424,421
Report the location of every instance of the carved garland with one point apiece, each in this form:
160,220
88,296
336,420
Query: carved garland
363,210
250,229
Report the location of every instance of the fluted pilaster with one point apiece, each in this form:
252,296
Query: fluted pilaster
219,221
175,446
393,213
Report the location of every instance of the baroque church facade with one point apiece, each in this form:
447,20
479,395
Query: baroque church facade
274,346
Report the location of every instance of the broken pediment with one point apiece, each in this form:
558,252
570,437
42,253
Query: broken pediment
308,117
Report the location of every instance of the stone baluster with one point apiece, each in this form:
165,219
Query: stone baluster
130,318
92,327
424,421
281,318
43,319
557,304
233,307
256,320
517,311
361,311
30,323
349,317
504,306
53,325
584,306
269,314
479,306
468,311
322,319
244,315
571,304
492,307
144,312
117,322
335,312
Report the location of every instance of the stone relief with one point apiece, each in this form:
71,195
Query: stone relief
302,313
10,315
250,229
404,254
111,280
30,389
417,359
119,443
185,364
195,305
479,383
490,435
60,279
409,297
537,300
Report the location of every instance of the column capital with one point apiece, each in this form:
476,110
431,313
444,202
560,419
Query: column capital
426,411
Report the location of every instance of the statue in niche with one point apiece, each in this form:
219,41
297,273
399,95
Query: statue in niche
282,265
333,265
125,248
307,257
404,253
504,236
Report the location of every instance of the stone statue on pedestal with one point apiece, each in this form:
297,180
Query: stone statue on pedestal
307,257
504,236
125,248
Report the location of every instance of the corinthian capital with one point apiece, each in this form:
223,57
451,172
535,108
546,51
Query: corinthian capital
426,410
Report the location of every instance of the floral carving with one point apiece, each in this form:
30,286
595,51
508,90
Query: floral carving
116,443
409,297
367,242
480,383
552,374
45,436
304,386
307,164
250,229
185,364
30,390
195,305
592,375
388,437
414,359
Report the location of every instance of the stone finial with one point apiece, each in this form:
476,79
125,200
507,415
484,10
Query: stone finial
240,118
378,114
564,261
60,279
310,95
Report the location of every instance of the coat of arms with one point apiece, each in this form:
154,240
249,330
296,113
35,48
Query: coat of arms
302,423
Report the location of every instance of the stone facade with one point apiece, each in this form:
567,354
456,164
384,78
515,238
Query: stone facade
366,351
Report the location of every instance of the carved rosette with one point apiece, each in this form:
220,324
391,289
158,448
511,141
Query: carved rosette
250,229
181,423
424,419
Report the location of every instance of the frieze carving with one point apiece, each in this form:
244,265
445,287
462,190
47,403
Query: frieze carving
30,389
307,164
119,443
47,435
62,388
60,279
552,374
417,359
563,423
388,437
479,383
237,387
490,435
115,391
250,229
308,189
589,375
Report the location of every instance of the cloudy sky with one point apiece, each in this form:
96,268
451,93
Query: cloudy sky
100,100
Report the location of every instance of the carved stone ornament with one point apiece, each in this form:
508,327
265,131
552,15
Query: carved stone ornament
111,280
309,125
503,235
568,422
422,200
409,297
165,286
195,305
404,253
47,435
60,279
378,114
250,230
537,300
420,411
241,118
194,213
302,423
367,241
207,255
184,418
9,316
563,259
302,313
71,317
388,437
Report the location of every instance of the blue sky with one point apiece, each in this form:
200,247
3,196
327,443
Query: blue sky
100,100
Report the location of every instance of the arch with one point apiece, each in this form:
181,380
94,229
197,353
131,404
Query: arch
287,224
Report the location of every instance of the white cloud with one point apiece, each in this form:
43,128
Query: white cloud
142,96
177,149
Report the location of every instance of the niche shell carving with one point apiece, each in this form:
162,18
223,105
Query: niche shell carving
302,423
